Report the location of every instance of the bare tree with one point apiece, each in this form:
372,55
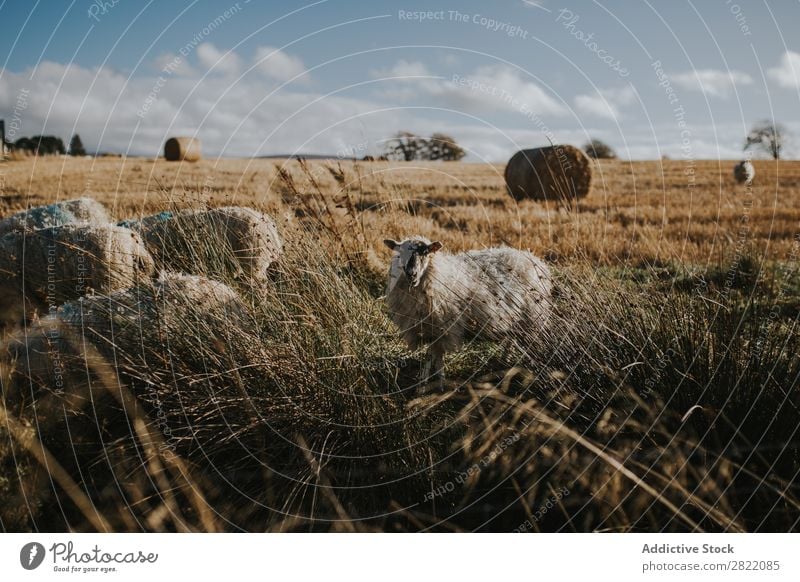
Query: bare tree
769,136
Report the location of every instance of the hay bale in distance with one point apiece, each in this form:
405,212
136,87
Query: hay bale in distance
223,243
558,173
58,264
178,149
78,211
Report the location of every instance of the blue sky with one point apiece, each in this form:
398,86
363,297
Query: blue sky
684,79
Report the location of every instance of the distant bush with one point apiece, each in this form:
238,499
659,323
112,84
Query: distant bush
599,150
407,146
41,145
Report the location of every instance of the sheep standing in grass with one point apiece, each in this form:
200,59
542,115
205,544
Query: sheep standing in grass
744,172
441,300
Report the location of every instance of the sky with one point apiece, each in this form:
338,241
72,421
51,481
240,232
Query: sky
338,77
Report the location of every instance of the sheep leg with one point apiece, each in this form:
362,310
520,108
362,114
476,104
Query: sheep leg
434,365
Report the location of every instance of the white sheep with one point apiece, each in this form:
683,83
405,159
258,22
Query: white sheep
58,264
78,211
744,172
440,300
199,241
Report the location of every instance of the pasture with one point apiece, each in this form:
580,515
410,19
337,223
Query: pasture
663,398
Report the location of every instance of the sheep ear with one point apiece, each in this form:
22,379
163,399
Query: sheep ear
435,246
392,244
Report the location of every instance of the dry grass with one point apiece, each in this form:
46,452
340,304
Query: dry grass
640,212
664,397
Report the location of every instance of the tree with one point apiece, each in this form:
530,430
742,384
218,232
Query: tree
407,146
769,136
444,147
599,150
41,145
76,146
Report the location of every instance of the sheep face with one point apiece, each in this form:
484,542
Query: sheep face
412,258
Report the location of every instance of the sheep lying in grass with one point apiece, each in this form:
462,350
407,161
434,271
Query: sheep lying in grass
163,334
174,307
744,172
221,242
141,329
440,300
79,211
54,265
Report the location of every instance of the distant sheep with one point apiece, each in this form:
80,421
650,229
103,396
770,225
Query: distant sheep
58,264
744,172
78,211
222,242
440,300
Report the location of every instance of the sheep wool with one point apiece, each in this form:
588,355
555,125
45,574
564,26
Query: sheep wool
491,294
58,264
228,242
78,211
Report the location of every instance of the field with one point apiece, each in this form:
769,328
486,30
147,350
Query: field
663,398
639,213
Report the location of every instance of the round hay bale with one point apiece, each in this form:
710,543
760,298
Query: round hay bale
78,211
226,243
179,149
58,264
559,173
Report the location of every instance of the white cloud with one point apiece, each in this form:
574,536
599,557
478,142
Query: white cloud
403,68
113,112
484,91
229,117
606,103
712,82
174,64
225,63
787,73
450,60
597,106
277,64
